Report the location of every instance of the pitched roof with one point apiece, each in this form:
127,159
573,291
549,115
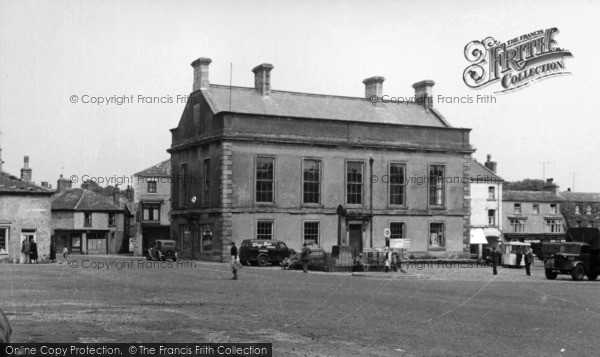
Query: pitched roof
318,106
162,169
79,199
530,196
580,196
483,174
12,184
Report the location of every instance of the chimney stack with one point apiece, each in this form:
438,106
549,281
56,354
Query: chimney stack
491,165
551,186
63,184
424,93
45,184
26,171
262,79
374,87
201,73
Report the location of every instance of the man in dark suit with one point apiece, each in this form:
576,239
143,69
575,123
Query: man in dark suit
528,261
495,261
304,257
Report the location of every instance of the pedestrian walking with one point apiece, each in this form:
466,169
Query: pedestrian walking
33,251
519,258
234,258
26,249
66,253
304,257
528,261
494,261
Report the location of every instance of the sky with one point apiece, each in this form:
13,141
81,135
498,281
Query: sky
54,51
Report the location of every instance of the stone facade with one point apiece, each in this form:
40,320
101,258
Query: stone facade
231,143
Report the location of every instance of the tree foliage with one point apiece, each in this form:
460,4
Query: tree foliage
524,185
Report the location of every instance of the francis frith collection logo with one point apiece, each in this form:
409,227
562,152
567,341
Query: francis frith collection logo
514,63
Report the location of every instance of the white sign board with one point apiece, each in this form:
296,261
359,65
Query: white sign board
400,243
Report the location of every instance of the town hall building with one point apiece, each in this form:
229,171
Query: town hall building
329,170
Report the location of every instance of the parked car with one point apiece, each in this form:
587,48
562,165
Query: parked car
163,249
261,252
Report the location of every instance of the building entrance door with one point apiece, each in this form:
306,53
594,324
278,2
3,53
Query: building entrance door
355,235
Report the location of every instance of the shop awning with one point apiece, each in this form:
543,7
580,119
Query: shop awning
477,236
492,232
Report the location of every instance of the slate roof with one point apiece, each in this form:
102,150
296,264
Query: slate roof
318,106
79,199
530,196
162,169
486,175
580,196
13,185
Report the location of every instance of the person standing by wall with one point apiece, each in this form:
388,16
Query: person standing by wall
52,252
528,261
304,257
33,251
234,257
26,249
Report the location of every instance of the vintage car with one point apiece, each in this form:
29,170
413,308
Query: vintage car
261,252
163,249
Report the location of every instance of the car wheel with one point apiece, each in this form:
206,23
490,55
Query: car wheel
262,260
550,275
578,272
592,276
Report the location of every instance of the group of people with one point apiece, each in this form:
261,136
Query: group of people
30,251
528,255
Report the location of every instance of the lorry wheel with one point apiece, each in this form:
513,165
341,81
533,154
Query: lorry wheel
262,260
592,276
578,272
550,275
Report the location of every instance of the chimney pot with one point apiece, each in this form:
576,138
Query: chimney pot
424,92
201,73
262,78
374,87
489,157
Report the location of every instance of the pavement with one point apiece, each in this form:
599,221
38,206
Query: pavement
450,311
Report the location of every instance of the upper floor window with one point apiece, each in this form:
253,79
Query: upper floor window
151,186
183,188
111,219
311,177
536,208
264,230
151,212
491,217
87,219
492,193
436,185
517,208
437,236
354,182
588,209
265,178
553,208
396,184
554,225
206,184
196,113
577,209
517,225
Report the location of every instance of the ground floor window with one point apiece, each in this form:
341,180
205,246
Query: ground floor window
311,233
206,236
397,230
264,230
437,237
96,242
184,230
3,240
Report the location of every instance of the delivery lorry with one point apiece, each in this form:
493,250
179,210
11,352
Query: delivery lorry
577,256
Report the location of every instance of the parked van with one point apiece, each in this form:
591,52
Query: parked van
261,252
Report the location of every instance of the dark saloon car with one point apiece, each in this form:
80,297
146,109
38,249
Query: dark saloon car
261,252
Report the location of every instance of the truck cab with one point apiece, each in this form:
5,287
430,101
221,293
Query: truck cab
578,256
